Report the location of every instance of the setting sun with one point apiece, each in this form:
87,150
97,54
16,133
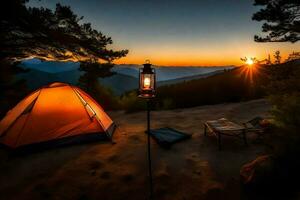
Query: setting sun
249,61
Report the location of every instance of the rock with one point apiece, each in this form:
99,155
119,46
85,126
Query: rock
256,169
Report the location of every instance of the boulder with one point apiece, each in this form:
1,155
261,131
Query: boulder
256,169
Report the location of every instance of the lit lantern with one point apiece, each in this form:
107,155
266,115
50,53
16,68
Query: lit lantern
147,85
147,91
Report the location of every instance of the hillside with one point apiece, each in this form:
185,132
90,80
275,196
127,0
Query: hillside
231,86
120,83
189,78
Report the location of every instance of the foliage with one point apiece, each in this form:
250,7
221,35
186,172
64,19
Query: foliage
90,83
41,32
284,91
51,35
167,103
286,110
293,56
268,60
105,97
275,179
277,57
282,20
11,90
283,25
93,70
131,103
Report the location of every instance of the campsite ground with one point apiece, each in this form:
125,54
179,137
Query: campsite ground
191,169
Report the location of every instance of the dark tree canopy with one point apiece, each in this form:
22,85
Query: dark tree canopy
282,20
50,35
54,35
93,71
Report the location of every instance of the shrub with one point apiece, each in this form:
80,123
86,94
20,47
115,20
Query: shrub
286,110
284,90
168,103
131,103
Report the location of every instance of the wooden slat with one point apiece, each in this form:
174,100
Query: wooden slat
224,125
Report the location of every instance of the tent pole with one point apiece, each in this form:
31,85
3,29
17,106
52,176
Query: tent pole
149,150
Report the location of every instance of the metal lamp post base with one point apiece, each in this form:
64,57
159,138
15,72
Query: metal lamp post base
149,150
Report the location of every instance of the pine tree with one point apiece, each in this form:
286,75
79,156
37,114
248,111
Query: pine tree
277,57
282,20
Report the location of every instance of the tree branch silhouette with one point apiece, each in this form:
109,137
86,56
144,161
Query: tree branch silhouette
282,20
51,35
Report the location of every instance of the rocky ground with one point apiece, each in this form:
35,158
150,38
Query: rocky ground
191,169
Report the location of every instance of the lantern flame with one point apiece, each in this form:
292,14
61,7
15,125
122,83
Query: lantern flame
147,82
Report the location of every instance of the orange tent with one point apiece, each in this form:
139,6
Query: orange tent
54,112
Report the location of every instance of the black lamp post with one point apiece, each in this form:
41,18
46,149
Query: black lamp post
147,91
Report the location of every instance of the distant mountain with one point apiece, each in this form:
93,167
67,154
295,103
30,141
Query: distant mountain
36,78
128,70
126,78
49,66
71,77
120,83
168,73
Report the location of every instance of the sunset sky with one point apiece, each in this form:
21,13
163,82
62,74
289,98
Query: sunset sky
181,32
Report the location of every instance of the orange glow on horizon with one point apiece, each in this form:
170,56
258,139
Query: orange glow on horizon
205,60
214,55
201,54
190,61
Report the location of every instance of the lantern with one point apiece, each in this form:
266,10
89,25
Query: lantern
147,91
147,84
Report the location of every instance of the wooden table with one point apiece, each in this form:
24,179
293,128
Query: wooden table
225,127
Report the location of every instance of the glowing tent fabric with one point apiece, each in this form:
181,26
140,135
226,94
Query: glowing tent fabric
51,113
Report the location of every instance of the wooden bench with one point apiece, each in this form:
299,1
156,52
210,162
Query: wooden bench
225,127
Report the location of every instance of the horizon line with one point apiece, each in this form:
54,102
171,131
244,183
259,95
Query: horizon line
231,65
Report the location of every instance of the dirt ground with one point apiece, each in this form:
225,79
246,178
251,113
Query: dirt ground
191,169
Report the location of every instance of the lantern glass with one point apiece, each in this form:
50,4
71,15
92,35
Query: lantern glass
147,82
